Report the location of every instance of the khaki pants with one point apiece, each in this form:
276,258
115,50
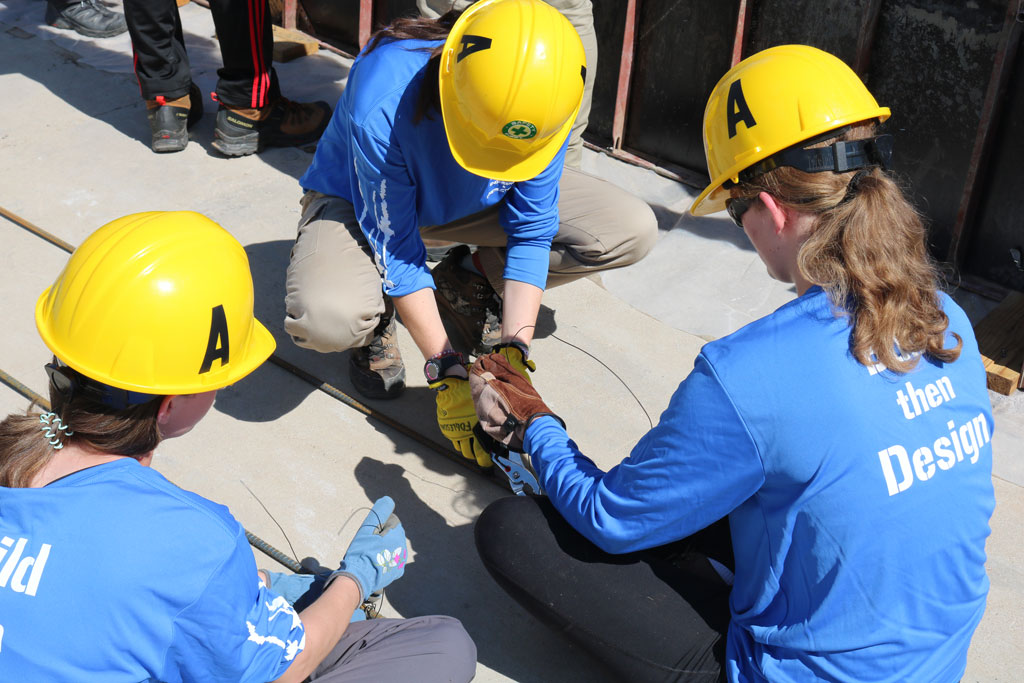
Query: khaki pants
334,298
580,14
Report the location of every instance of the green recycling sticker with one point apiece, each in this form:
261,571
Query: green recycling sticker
519,130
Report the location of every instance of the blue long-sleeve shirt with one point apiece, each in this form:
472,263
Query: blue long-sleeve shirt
401,175
858,498
113,573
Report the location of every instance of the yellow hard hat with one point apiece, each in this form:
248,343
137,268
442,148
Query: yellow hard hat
772,101
157,303
511,81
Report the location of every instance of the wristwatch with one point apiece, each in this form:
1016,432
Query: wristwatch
438,365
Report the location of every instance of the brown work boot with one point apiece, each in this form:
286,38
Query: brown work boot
377,370
468,304
282,123
170,120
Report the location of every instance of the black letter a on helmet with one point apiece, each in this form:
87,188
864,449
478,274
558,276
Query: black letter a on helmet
471,44
218,345
737,110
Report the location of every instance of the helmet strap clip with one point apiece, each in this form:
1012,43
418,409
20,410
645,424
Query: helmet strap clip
839,157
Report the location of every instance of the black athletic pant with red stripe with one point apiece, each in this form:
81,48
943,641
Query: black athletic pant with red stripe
246,47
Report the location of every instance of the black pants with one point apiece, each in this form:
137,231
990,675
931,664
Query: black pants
246,47
655,615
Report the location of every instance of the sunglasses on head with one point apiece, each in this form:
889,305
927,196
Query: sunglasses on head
737,206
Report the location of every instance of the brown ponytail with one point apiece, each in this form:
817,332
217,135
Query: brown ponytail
24,451
867,251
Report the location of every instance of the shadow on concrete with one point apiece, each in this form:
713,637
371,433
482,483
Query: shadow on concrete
446,576
719,229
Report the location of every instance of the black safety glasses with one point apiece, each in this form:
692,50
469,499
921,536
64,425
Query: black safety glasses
737,206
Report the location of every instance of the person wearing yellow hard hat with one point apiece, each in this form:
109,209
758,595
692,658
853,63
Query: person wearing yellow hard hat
110,572
814,502
452,129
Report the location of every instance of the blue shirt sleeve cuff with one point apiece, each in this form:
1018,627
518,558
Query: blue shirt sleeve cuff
408,286
540,430
528,262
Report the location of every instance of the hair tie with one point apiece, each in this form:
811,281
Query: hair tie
854,185
52,429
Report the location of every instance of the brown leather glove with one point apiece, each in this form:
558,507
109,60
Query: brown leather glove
506,403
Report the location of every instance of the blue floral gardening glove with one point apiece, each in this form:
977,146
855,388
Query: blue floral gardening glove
301,590
378,553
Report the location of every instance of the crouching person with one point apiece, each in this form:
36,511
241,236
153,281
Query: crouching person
110,572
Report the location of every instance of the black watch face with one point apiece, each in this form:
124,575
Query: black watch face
432,370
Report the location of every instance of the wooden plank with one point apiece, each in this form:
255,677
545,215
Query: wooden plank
1001,342
290,44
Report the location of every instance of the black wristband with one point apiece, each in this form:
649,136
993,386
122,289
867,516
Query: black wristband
437,367
515,344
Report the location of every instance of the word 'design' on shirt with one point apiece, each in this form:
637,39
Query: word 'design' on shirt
902,464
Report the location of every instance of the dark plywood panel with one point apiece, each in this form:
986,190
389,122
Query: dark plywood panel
683,48
996,240
609,24
931,64
335,21
831,25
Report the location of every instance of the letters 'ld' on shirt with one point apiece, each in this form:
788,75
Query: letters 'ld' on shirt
401,175
114,574
858,498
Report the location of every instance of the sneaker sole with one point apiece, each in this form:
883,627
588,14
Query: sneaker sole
169,144
237,146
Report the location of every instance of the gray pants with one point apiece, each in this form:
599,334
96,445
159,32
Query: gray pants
422,649
334,299
580,14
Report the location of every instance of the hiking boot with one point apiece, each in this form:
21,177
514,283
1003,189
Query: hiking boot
282,123
469,303
377,371
89,18
170,120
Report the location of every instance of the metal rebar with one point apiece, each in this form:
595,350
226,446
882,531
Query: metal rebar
36,230
23,390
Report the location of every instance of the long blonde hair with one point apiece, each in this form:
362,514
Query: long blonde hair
24,450
867,251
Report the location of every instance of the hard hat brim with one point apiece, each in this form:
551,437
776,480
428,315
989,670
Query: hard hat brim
261,346
502,164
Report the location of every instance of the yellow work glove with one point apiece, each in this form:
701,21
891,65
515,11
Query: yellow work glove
456,417
516,353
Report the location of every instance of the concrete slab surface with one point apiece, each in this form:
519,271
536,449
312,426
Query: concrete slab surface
298,467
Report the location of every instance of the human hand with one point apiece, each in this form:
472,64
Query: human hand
377,554
505,401
456,417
